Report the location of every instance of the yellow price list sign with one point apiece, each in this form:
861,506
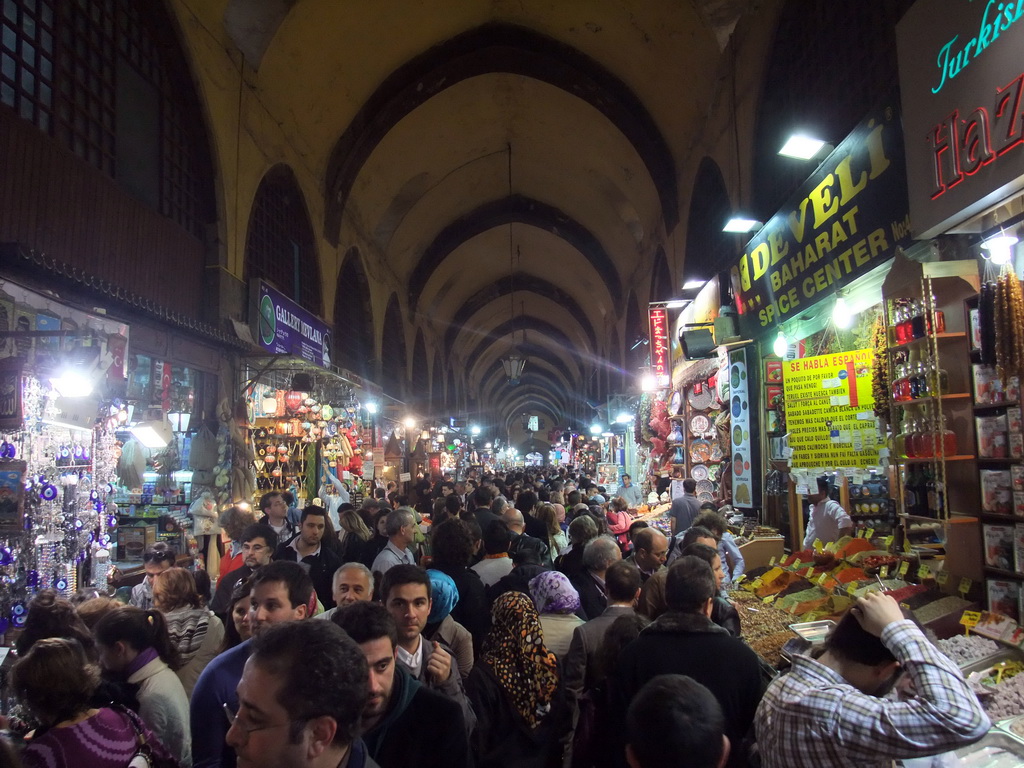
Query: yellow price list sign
942,577
965,586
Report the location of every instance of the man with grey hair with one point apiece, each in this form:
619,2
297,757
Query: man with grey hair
352,583
598,557
399,526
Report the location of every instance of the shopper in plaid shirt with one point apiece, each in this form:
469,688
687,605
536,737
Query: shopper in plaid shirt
828,711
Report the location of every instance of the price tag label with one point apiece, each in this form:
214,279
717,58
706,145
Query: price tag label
851,589
965,585
904,567
924,572
740,579
884,572
907,547
832,546
942,577
757,583
818,546
822,579
970,618
860,533
869,533
810,572
796,564
887,541
770,599
772,561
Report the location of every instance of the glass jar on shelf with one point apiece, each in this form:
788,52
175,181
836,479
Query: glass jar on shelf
948,442
918,327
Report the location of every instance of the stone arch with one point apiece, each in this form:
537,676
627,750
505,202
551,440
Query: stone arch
419,375
279,245
353,316
708,249
492,48
392,354
661,278
637,342
437,385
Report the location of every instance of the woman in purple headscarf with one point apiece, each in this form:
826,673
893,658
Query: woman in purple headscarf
557,602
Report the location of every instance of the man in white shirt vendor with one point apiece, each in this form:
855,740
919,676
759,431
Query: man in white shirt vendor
633,496
400,524
827,521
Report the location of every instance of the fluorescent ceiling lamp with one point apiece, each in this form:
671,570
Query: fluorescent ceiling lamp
648,383
596,429
624,418
801,147
475,430
999,247
607,434
740,225
371,407
676,303
692,285
71,382
154,433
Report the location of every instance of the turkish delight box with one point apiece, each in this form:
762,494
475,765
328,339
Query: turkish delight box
996,491
1000,546
1004,598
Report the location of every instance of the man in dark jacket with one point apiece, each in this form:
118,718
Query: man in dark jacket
258,544
598,556
306,548
685,641
329,713
405,724
522,541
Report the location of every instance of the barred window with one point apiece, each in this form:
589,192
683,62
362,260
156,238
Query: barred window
279,246
108,80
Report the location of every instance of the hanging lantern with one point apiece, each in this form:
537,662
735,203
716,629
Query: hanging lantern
293,400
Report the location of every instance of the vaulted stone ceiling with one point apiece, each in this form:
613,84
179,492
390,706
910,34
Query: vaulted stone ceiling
411,116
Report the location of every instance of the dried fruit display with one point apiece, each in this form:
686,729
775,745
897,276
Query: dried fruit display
769,647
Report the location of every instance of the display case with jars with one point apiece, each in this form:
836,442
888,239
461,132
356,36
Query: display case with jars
932,447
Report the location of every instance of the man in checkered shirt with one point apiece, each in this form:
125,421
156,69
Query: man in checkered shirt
828,711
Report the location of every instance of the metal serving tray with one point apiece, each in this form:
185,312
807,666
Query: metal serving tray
813,631
995,750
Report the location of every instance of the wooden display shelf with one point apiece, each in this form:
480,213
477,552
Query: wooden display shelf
1000,459
992,406
893,347
936,459
922,400
1003,572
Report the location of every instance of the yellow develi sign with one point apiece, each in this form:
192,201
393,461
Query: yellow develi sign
829,410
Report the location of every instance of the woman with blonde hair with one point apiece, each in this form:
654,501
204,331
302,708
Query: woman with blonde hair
56,681
357,535
193,629
557,541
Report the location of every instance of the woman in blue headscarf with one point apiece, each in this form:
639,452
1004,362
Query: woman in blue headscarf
441,626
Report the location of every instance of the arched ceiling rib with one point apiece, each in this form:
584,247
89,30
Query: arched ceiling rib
498,293
515,327
497,375
488,361
515,398
514,209
490,48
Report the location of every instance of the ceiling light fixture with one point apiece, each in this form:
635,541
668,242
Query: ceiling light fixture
694,284
841,314
801,147
1000,247
515,361
155,430
742,225
781,345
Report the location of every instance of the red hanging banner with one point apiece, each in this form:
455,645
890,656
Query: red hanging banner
661,348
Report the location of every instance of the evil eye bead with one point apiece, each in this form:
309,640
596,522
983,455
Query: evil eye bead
48,492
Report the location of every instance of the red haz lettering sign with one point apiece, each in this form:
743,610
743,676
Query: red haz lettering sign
661,349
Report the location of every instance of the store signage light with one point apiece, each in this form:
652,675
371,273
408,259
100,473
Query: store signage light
781,345
801,147
661,346
741,225
999,247
841,315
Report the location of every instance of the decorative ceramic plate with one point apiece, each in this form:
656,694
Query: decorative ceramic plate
705,486
713,472
702,400
699,471
703,497
326,412
700,451
716,452
675,403
700,424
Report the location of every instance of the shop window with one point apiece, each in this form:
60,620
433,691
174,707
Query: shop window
279,247
107,79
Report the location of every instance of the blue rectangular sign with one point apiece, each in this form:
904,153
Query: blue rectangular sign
282,327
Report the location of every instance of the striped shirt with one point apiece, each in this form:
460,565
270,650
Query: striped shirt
811,717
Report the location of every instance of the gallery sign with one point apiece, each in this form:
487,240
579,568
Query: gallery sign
846,219
282,327
962,85
661,347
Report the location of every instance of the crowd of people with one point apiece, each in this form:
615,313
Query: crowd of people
525,620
